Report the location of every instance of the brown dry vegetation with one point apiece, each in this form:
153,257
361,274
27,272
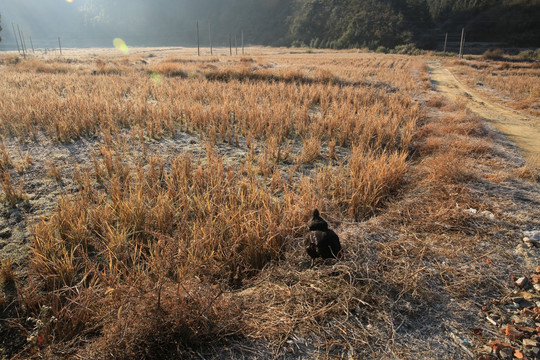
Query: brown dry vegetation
515,84
179,211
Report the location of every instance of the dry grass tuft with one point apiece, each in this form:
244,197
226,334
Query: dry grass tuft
165,322
437,101
42,67
13,194
53,171
528,173
170,69
107,68
7,271
311,150
493,54
5,158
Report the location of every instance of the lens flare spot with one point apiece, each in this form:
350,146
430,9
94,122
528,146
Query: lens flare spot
121,45
155,77
69,1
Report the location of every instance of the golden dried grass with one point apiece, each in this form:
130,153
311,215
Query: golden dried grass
510,83
172,239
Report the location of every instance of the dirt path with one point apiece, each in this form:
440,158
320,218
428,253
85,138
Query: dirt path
523,130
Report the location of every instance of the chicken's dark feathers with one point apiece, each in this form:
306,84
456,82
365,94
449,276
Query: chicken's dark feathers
317,222
311,248
322,241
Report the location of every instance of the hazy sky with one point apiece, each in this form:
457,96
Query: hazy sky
85,23
97,22
40,19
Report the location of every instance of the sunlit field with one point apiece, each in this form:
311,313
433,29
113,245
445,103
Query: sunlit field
164,199
514,84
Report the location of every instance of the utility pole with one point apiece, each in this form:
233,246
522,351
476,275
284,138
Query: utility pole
230,45
32,44
20,38
462,45
210,36
242,42
236,43
445,42
60,45
15,35
198,43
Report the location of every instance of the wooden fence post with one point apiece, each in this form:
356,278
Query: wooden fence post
210,36
445,42
462,44
198,43
20,38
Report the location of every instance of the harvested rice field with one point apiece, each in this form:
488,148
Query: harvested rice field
155,204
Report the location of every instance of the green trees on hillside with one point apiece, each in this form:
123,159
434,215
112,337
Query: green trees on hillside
342,24
374,23
349,23
516,22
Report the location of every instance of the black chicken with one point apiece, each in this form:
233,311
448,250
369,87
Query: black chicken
322,241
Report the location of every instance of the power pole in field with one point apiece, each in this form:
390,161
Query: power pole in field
20,38
462,44
445,42
210,36
198,43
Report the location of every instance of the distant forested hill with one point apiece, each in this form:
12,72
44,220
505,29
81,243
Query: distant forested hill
372,23
516,22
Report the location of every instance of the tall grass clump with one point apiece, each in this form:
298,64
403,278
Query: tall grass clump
362,186
13,194
529,55
198,217
493,54
158,227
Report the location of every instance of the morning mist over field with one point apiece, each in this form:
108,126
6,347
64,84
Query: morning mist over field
83,23
334,24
